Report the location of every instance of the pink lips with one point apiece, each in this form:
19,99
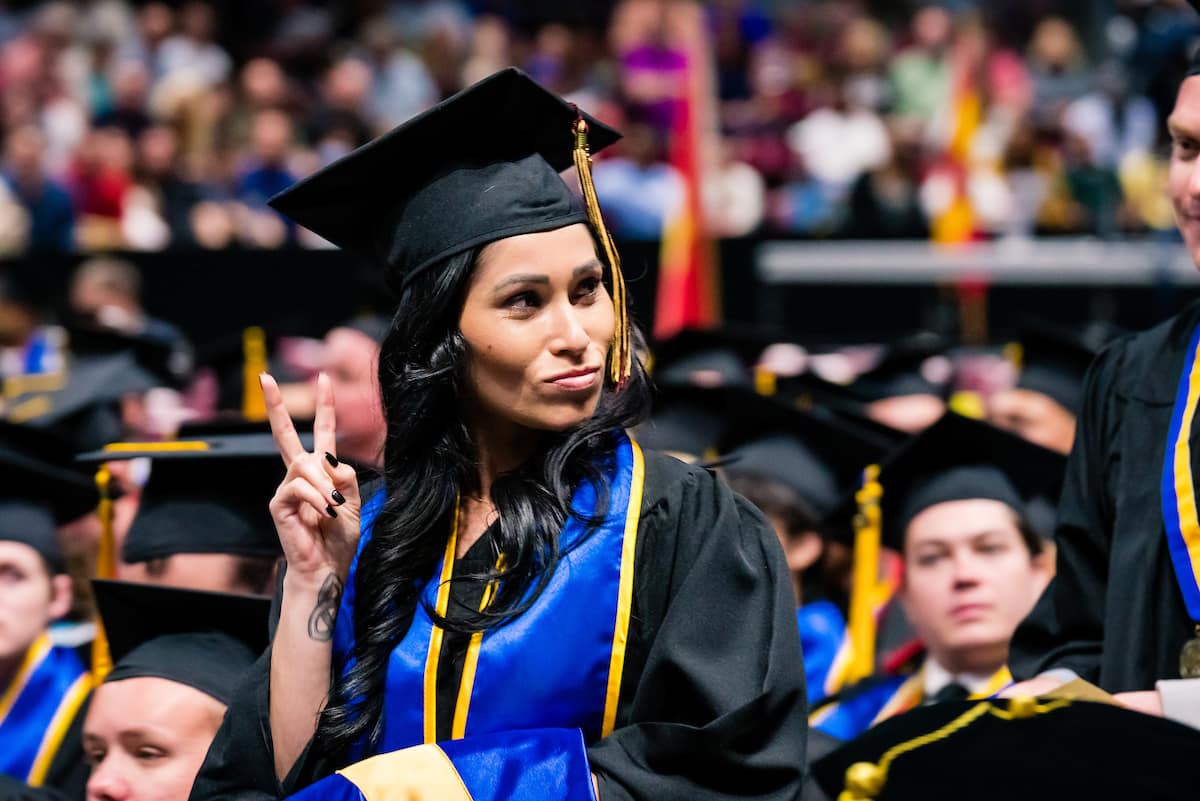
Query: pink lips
576,380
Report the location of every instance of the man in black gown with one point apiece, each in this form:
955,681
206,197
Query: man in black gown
1116,613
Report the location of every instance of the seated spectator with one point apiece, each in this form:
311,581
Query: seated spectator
640,192
51,214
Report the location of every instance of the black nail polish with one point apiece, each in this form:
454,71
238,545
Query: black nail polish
332,512
329,457
338,497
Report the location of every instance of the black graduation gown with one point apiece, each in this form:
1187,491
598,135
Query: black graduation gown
1114,613
712,700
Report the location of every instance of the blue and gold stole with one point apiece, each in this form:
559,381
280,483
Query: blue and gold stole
1178,489
533,692
38,707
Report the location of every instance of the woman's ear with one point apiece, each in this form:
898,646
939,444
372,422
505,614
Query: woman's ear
61,596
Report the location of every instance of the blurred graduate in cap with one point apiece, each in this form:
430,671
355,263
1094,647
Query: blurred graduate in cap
202,521
1045,402
42,686
1123,611
795,467
178,658
953,506
518,531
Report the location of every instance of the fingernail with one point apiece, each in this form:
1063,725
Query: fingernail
332,512
329,457
338,497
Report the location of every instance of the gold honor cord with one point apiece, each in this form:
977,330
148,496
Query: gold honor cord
106,568
866,780
620,358
867,536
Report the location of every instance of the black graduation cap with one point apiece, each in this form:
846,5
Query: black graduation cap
1063,749
1054,361
815,453
729,354
687,420
166,356
81,404
39,490
958,458
203,496
480,166
903,369
206,640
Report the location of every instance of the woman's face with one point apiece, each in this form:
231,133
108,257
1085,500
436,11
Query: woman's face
538,322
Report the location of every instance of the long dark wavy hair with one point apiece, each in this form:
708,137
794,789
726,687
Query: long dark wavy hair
429,460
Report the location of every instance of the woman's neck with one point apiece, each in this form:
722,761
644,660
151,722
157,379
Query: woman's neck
500,447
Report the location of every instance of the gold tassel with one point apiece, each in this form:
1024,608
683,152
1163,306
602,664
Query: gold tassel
254,363
620,361
106,568
868,524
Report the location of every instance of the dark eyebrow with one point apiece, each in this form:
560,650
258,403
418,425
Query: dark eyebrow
532,278
582,269
522,278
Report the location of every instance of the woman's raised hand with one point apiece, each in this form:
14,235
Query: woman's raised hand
316,508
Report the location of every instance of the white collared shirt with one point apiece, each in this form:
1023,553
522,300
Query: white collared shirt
937,677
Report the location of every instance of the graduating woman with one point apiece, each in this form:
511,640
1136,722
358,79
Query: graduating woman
529,606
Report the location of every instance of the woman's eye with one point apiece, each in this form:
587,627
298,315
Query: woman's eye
94,757
523,300
147,754
929,559
588,286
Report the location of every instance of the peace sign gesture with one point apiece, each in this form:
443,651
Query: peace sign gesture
316,508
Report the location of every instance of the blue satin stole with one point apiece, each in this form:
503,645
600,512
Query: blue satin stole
37,708
558,665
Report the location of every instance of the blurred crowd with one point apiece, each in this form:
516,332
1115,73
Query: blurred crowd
147,126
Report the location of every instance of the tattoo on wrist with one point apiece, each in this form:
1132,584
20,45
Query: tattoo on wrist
324,614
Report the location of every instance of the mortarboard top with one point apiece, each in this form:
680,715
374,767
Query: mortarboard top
1054,361
82,403
1194,67
206,640
686,420
480,166
170,361
729,353
203,496
902,369
1062,750
815,453
40,490
958,458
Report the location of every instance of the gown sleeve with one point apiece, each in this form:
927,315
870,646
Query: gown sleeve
1066,627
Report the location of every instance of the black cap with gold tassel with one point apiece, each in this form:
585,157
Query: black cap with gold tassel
478,167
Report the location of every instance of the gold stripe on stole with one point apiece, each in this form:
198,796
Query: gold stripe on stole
999,680
435,637
57,730
1185,494
616,665
420,773
467,683
33,660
